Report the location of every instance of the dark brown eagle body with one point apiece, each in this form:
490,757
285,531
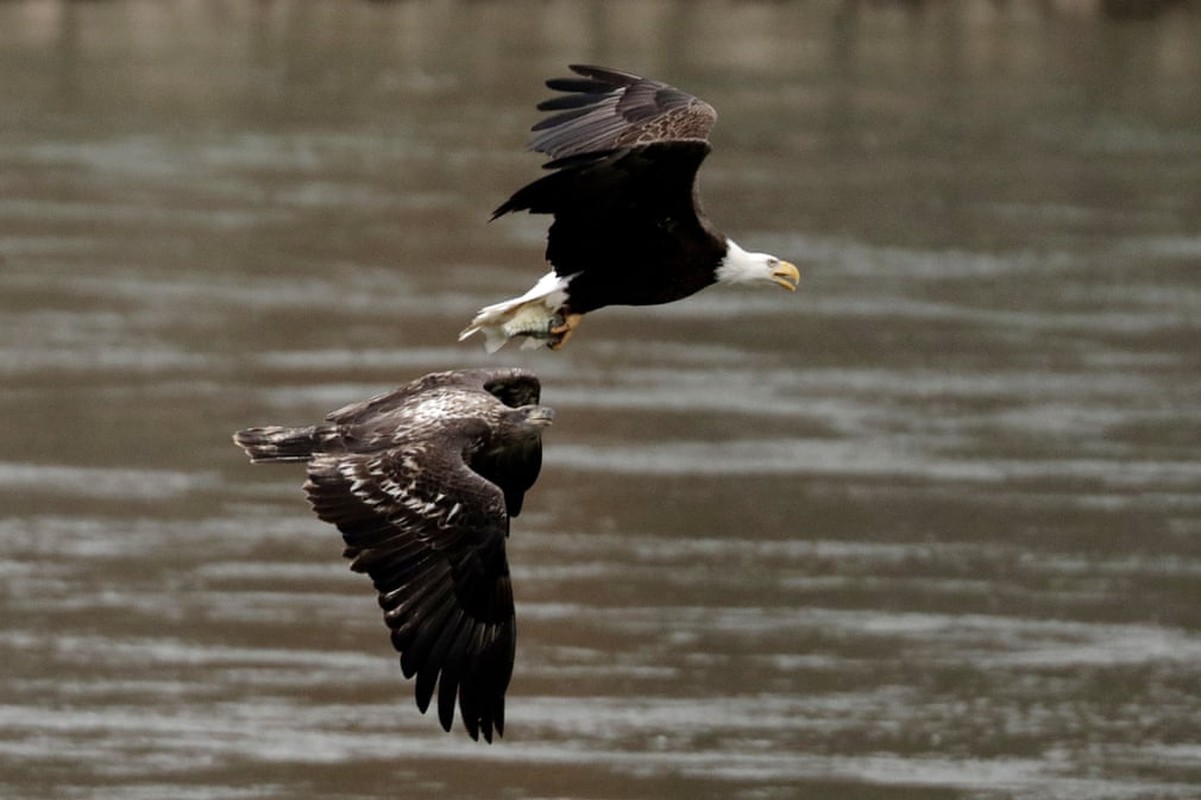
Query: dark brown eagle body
648,194
422,482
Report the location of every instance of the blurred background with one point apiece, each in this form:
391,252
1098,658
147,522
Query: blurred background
928,528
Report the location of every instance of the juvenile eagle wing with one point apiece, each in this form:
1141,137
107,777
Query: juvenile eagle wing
430,533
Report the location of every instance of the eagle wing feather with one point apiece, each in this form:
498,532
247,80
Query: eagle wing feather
430,532
608,109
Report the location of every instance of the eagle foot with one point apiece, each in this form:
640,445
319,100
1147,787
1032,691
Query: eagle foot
561,328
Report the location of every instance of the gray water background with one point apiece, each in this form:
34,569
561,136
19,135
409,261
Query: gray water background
928,528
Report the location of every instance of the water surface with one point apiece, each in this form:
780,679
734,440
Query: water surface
928,528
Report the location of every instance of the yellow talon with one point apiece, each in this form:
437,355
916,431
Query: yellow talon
559,334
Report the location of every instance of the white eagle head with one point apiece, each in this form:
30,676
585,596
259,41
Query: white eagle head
740,266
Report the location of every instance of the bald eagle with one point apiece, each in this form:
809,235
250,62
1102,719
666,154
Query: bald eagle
422,482
628,227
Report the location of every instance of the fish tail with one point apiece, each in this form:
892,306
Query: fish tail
530,315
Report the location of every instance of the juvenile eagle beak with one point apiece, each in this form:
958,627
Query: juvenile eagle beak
540,416
787,275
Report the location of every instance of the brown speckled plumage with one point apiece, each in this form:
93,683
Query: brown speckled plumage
422,482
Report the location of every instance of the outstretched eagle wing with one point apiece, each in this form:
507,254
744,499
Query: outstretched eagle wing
628,225
608,109
430,532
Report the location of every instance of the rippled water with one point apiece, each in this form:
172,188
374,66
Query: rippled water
929,528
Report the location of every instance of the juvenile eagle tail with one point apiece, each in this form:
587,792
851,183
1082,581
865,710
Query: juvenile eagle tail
277,443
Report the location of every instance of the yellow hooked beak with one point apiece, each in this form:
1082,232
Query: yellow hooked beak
786,275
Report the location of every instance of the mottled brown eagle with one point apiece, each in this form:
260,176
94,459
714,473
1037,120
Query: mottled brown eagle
422,482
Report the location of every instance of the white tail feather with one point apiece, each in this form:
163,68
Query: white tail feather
529,315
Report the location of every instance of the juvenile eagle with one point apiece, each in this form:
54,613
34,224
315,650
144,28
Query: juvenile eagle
422,482
628,227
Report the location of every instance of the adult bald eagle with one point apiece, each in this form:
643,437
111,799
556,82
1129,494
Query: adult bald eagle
628,227
422,482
